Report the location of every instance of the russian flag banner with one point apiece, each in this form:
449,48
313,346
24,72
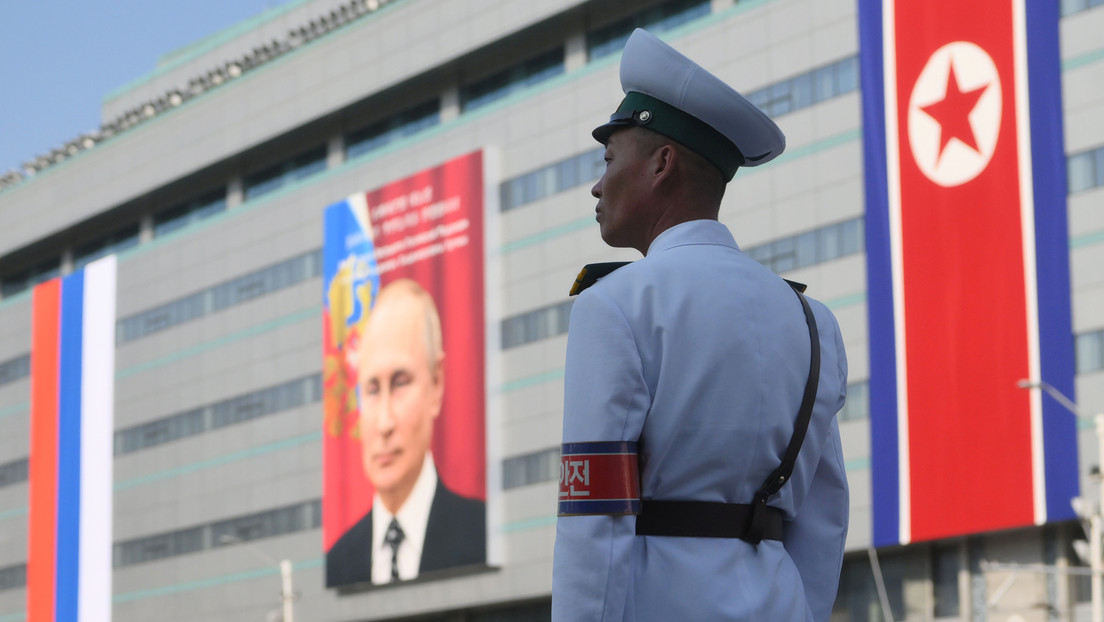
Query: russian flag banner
72,415
968,267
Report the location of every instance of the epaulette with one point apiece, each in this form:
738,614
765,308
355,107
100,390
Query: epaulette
800,287
591,272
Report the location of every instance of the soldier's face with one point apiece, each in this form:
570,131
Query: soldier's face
622,192
401,391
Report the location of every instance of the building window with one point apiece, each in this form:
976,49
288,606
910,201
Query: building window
1069,7
287,172
808,88
541,466
1090,351
576,170
114,243
266,401
181,216
219,297
13,472
812,247
15,369
1086,169
945,564
857,405
611,39
520,76
12,285
399,126
535,325
13,577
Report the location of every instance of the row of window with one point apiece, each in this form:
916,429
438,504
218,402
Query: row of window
551,179
531,468
1086,169
267,401
521,76
658,19
808,88
277,522
233,292
535,325
182,215
811,247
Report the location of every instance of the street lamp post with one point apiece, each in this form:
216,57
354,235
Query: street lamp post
1095,513
287,594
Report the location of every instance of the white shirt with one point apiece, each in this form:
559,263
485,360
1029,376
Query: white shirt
413,517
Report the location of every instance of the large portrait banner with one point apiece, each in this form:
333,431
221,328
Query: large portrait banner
404,490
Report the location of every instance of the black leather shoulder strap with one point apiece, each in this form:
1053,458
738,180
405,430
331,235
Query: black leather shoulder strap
781,475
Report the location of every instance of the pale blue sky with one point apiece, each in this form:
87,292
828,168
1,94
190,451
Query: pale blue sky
58,58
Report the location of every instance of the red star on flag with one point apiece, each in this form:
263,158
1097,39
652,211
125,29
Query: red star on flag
953,113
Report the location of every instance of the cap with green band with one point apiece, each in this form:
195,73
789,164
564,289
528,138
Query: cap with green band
672,95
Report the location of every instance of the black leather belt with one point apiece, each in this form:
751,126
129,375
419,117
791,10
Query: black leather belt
751,522
705,519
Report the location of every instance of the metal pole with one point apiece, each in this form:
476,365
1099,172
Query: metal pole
288,593
1096,550
879,582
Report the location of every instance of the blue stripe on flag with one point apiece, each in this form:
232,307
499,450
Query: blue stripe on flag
1048,171
69,446
883,362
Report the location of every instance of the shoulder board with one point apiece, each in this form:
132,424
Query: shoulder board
800,287
591,272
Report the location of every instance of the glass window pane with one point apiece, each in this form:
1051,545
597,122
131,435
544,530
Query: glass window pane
802,91
823,83
1082,172
780,99
847,75
806,251
1090,351
1099,156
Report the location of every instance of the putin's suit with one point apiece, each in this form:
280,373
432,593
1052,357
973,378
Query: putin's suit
455,536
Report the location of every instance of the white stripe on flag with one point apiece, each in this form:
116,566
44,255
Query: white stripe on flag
97,416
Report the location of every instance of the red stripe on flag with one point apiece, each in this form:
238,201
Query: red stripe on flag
964,293
42,520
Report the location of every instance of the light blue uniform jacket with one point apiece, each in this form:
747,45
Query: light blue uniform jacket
702,354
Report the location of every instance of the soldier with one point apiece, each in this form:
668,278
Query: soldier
703,475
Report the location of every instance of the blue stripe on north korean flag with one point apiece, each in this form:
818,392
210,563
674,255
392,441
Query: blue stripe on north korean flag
883,394
1048,166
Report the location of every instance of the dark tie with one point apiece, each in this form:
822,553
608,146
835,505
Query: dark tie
393,539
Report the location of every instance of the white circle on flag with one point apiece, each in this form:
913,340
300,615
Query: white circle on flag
954,114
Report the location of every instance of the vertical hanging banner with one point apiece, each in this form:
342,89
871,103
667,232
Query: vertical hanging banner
72,430
968,267
404,403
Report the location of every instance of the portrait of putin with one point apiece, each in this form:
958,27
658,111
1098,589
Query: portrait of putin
415,524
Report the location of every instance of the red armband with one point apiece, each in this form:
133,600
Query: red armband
599,478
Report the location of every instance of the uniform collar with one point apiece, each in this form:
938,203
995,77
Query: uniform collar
693,232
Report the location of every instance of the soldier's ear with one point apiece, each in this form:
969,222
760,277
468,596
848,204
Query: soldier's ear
663,163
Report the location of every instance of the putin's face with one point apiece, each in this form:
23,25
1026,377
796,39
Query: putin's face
400,396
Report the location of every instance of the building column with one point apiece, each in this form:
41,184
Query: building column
145,229
575,51
450,103
235,192
335,151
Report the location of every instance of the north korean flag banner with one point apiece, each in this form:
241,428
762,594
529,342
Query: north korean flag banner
968,267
